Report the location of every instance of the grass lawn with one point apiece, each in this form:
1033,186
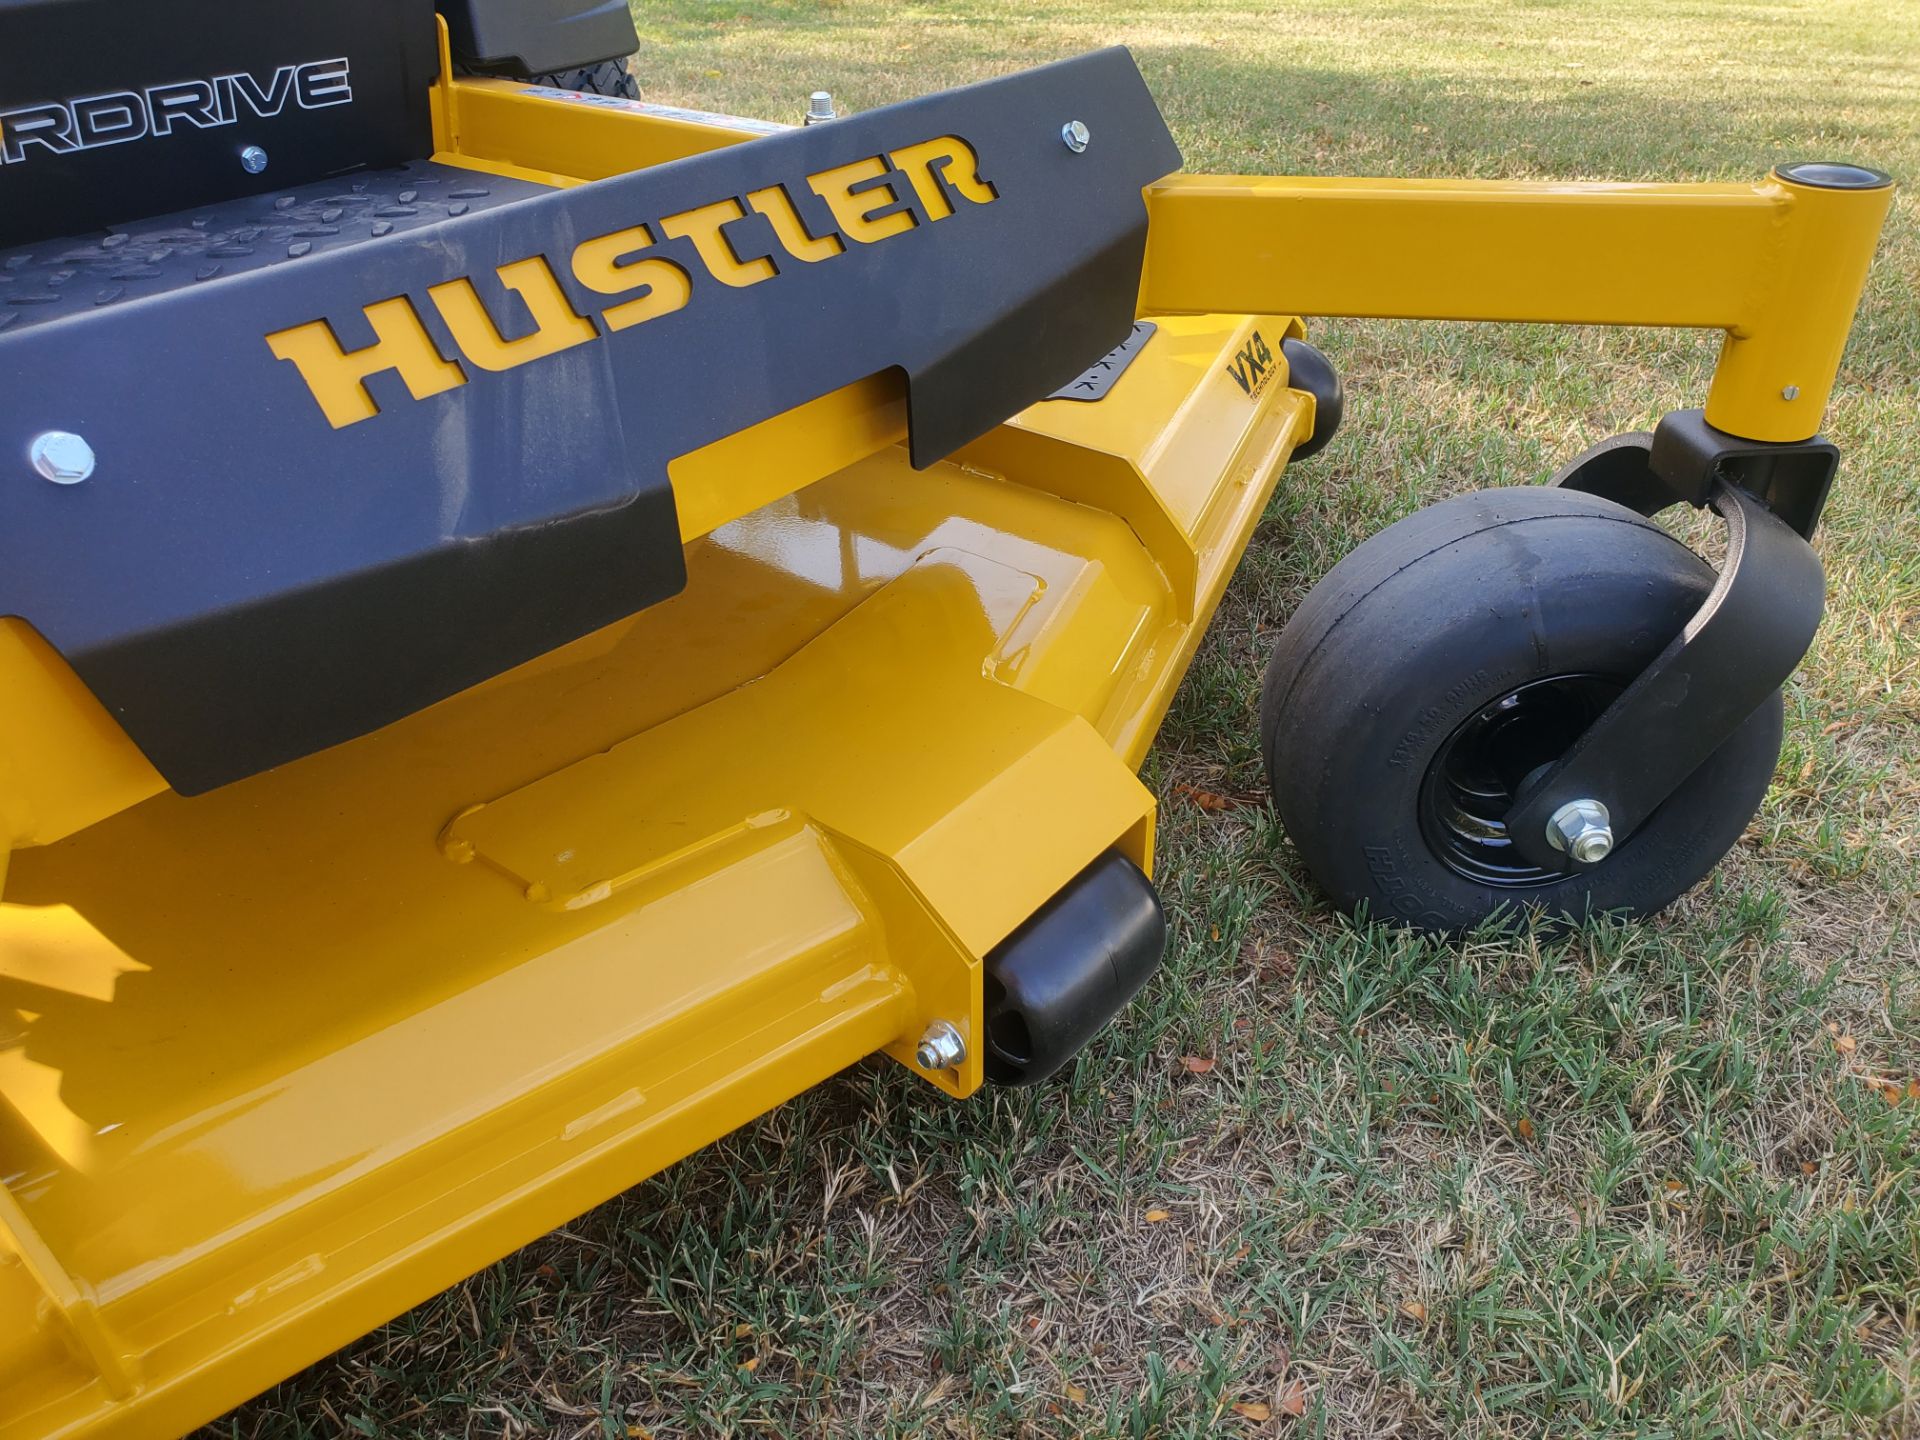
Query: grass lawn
1656,1179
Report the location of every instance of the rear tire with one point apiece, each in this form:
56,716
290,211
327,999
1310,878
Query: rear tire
610,77
1449,657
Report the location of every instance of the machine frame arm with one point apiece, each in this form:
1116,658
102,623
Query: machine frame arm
1778,265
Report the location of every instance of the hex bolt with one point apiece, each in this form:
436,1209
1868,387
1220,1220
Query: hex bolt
820,108
1583,829
1792,392
61,456
1076,135
253,159
941,1048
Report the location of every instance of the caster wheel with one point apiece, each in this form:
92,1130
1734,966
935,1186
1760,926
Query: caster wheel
1446,660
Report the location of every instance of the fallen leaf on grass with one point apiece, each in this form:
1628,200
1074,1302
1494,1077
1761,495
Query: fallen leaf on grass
1254,1410
1845,1044
1524,1129
1293,1398
1154,1217
1415,1312
750,1365
1215,801
1196,1064
1205,799
1076,1395
742,1330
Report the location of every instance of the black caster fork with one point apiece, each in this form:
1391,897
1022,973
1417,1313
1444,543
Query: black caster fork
1535,698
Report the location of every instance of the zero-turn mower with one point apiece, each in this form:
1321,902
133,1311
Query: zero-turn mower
535,626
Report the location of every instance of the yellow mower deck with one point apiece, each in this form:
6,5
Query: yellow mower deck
289,1057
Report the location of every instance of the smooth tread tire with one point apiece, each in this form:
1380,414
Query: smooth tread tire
1439,628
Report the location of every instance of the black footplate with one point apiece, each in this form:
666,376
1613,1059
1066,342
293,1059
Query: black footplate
148,258
115,109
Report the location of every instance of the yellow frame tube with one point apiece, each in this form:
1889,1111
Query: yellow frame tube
1778,266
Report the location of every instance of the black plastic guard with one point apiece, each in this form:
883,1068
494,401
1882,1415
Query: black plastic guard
242,583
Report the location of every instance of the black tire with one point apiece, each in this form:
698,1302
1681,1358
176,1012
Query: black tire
1384,705
609,77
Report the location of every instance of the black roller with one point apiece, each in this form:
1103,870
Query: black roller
1070,969
1309,370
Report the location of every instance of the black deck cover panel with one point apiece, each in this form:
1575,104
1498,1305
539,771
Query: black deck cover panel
242,583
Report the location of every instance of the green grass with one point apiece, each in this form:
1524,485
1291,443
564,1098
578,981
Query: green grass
1640,1181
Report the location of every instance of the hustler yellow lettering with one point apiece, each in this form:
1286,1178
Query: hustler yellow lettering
871,200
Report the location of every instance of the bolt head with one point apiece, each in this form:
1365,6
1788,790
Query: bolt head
941,1048
1076,135
1792,392
62,457
820,107
1583,830
1591,849
253,159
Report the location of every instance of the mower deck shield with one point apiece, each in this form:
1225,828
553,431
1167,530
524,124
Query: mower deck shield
340,487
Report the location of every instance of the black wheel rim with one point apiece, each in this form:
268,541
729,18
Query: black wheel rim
1473,778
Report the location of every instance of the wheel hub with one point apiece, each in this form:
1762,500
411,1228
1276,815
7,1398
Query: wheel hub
1480,768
